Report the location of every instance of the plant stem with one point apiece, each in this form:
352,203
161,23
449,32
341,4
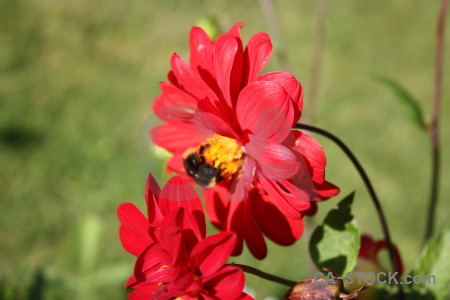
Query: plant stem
274,29
267,276
368,184
434,125
316,58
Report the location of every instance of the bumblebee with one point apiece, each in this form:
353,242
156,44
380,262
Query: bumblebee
196,166
217,159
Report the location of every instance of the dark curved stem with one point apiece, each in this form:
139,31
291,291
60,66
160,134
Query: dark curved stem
368,184
434,126
264,275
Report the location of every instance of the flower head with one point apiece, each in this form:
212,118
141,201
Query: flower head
174,258
368,255
368,261
229,129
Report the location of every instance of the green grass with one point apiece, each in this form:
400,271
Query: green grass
77,79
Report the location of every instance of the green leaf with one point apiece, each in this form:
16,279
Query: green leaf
435,261
410,104
335,243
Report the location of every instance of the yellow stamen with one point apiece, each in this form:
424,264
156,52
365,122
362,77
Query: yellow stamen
164,267
224,154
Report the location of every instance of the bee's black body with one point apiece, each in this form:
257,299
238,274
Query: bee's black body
203,173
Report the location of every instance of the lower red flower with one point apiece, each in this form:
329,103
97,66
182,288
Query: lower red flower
175,259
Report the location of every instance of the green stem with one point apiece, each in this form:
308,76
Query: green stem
264,275
434,125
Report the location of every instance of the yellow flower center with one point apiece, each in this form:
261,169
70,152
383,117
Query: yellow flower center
216,159
224,154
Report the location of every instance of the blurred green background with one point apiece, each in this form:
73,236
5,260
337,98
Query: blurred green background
77,79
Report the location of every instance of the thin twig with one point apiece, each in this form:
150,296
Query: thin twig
274,29
368,184
267,276
316,58
434,125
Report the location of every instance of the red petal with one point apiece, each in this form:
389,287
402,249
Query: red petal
174,104
212,253
150,264
162,292
326,190
225,48
214,118
264,109
292,87
366,250
143,292
313,153
241,185
189,80
171,236
152,192
175,164
179,234
241,221
130,282
177,136
245,296
257,55
237,216
317,191
379,245
275,161
217,204
312,210
278,228
183,285
163,275
286,196
238,65
178,192
201,56
235,30
228,283
134,229
172,79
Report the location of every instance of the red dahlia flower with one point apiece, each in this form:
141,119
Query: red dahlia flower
175,260
369,251
230,130
368,261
